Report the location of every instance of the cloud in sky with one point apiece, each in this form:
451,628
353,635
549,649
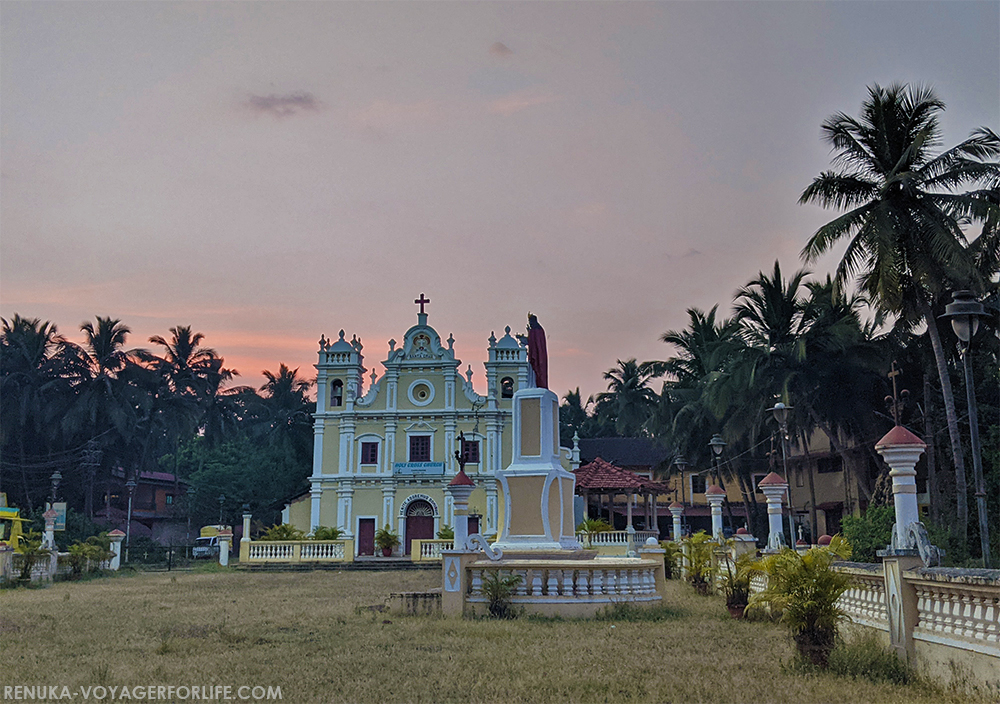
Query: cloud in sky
282,105
501,50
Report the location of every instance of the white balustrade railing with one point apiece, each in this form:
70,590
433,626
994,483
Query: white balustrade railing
300,551
957,612
431,549
864,600
582,583
616,537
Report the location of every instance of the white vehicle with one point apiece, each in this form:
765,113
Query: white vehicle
205,547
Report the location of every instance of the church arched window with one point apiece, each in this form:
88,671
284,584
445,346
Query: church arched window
337,393
506,387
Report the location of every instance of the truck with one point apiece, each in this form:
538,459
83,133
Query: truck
207,544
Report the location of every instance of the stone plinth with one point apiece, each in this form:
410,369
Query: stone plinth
537,493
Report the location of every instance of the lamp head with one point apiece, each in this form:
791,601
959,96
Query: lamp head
780,412
964,312
717,444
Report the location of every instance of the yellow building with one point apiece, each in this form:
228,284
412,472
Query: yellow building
383,452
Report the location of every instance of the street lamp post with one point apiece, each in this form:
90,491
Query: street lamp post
718,445
56,478
780,412
130,485
964,312
682,464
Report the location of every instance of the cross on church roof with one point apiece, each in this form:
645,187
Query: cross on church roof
422,301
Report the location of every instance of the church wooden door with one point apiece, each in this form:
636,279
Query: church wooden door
366,536
419,523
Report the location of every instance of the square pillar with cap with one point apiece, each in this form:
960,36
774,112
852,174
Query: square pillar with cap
715,497
775,489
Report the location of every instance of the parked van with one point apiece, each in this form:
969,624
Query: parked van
207,544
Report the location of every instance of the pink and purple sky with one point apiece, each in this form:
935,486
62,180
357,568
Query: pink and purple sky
270,172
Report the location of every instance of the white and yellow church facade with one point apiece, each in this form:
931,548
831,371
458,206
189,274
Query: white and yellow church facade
385,450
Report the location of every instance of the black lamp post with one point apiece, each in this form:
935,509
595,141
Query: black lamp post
964,312
56,478
682,464
130,485
780,412
718,445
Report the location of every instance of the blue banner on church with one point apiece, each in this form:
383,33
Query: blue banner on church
418,468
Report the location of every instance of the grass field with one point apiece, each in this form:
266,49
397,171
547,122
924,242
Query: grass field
310,634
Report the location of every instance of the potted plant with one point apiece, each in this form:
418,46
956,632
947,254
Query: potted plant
737,585
672,556
591,527
698,561
805,588
386,540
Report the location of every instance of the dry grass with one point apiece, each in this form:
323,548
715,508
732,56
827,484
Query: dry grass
310,634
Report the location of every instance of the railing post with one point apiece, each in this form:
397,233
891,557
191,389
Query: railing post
116,548
225,536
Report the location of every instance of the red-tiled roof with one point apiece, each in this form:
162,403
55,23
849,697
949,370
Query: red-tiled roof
601,476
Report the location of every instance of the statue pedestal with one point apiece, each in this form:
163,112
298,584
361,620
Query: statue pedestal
537,492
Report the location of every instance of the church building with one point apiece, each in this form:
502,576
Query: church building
385,450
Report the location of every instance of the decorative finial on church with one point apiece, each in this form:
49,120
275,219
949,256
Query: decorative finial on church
493,339
374,377
322,342
341,333
468,374
451,342
392,346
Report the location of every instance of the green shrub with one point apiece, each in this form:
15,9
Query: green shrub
327,533
499,591
865,657
630,612
698,561
805,588
870,532
591,527
446,533
282,531
672,557
89,554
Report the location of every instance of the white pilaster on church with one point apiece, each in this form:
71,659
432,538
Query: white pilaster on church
449,510
345,508
392,389
388,500
491,510
388,456
321,390
346,456
318,428
315,497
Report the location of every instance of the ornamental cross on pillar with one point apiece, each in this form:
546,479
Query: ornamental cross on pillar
422,315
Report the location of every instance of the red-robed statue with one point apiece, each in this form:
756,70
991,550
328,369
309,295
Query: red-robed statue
538,356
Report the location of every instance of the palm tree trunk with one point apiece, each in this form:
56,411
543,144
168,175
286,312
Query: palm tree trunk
932,487
961,488
812,490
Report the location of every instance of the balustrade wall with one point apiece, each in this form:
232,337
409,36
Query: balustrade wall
300,551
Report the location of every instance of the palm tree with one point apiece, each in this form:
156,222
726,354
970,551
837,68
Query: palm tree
188,367
286,416
904,222
108,403
35,367
629,397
